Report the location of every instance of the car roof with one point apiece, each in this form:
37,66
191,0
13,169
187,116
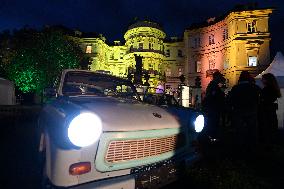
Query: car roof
95,73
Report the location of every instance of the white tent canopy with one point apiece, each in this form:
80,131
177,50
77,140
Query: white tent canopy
277,69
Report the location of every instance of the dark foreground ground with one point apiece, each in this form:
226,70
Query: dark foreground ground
19,168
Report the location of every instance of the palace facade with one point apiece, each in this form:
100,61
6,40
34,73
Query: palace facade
238,41
162,59
235,42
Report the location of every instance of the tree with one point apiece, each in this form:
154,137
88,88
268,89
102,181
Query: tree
24,72
57,52
37,58
5,51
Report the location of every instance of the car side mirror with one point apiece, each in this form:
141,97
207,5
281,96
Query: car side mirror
49,92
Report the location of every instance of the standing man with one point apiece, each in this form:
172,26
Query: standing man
213,104
268,117
244,99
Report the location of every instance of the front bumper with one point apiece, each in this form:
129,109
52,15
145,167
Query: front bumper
125,182
130,181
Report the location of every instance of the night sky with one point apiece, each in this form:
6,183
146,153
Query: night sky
111,17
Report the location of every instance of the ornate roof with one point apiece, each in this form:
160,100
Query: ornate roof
145,23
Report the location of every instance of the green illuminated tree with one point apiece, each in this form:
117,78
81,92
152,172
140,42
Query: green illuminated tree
35,58
24,72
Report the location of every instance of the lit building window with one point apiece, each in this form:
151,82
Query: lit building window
226,64
251,26
195,42
198,66
211,64
225,34
168,72
211,39
252,61
179,53
168,53
180,72
89,49
111,56
131,48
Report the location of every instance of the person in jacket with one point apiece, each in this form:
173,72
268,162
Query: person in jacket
244,100
213,104
268,118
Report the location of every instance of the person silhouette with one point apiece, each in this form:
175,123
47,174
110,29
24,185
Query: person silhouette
213,104
268,118
244,99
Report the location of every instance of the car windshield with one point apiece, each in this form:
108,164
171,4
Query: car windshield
158,97
88,83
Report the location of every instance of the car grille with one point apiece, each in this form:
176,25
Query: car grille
126,150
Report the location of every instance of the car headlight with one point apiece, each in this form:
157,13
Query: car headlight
85,129
199,123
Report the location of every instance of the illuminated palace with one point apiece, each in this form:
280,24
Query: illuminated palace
162,60
238,41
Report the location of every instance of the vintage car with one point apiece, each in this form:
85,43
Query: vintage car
97,133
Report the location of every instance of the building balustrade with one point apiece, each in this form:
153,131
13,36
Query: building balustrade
131,50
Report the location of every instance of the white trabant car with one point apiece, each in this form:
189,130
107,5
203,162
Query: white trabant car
96,133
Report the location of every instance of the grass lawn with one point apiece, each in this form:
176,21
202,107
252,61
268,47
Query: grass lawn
263,170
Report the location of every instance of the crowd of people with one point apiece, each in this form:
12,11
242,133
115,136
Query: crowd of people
250,110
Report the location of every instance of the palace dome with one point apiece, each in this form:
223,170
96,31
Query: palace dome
145,23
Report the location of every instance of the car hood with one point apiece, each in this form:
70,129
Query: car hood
126,115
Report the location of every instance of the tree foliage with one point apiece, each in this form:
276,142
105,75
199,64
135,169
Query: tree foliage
33,59
24,71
